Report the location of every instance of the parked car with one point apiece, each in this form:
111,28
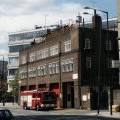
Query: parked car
6,114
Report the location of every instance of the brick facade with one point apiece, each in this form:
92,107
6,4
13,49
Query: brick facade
79,92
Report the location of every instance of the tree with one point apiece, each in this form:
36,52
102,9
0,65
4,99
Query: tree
6,96
15,87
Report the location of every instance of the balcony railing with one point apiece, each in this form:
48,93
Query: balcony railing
15,54
9,78
20,42
15,65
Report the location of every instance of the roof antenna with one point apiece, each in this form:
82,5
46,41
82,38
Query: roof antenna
60,22
79,19
45,20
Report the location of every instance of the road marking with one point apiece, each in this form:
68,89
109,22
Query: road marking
19,114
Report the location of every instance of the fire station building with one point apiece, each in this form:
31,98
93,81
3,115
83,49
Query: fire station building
75,62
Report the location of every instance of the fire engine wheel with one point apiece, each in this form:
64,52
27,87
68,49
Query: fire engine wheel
37,107
25,107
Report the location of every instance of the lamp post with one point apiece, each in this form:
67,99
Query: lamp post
100,11
19,82
60,82
27,62
100,58
98,86
79,21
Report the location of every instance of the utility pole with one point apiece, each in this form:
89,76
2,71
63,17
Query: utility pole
60,96
79,20
27,62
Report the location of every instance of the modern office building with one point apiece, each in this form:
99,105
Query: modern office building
75,62
17,42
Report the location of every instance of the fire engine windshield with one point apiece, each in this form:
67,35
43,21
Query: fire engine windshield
49,97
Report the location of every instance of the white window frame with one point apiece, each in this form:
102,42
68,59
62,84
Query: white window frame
39,54
24,59
34,72
53,68
23,73
32,56
54,50
50,68
41,70
45,53
31,72
67,65
13,61
67,46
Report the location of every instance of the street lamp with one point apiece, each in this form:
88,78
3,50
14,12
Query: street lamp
91,8
60,80
100,58
19,82
79,21
100,11
98,99
86,13
27,62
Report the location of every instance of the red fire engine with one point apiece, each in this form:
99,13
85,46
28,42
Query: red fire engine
38,100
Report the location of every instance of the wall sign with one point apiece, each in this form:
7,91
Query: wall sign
75,76
84,98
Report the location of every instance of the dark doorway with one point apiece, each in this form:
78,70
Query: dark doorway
64,86
68,95
93,99
103,98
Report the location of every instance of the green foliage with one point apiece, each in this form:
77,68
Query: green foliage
6,96
15,85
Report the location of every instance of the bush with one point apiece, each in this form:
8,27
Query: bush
7,96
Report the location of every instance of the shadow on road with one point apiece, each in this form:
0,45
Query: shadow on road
63,117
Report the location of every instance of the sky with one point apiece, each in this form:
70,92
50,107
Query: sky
19,15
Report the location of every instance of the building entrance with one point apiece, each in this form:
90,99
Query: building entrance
103,98
68,95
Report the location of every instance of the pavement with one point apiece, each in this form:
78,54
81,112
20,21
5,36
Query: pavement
10,105
102,113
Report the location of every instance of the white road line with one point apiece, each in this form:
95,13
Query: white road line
19,114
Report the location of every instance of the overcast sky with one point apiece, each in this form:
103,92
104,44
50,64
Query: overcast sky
17,15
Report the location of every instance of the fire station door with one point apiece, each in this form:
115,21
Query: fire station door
69,95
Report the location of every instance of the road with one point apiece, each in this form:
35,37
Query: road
21,114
